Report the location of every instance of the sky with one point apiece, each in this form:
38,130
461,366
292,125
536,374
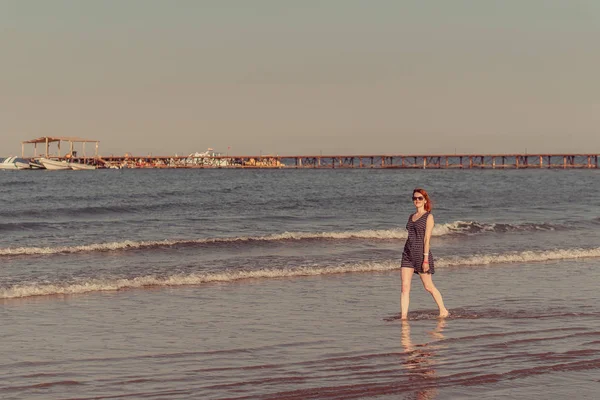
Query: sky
308,77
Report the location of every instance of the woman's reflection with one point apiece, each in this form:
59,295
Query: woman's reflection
420,360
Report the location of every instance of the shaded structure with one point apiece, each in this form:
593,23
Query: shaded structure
48,140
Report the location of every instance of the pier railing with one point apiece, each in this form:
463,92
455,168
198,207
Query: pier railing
442,161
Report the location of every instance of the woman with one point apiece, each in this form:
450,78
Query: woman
417,258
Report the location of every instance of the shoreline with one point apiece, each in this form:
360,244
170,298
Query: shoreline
443,161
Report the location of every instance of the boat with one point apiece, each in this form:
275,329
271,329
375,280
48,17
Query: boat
209,158
22,164
9,163
35,164
81,167
19,163
54,164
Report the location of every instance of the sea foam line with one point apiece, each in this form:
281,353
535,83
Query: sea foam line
112,284
456,227
130,244
523,257
93,285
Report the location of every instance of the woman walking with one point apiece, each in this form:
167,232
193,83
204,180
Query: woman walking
417,257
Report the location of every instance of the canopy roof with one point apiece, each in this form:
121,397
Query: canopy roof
50,139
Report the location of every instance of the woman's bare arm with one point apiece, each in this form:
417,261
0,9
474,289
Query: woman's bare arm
428,231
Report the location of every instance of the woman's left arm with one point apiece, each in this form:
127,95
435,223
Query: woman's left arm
428,231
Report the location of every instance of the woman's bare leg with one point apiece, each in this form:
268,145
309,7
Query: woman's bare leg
437,296
405,337
406,274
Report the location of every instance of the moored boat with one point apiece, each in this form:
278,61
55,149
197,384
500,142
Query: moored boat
82,167
54,164
22,164
35,164
9,163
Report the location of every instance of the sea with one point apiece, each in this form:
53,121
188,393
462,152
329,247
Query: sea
285,284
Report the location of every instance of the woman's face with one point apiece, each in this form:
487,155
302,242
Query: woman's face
418,199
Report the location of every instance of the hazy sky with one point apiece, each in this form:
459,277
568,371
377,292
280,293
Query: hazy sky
303,76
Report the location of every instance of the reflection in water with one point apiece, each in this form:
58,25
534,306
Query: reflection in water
420,360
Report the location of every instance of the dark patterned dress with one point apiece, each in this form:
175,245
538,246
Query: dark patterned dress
412,257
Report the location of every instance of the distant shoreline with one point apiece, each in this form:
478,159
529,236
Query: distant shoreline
421,161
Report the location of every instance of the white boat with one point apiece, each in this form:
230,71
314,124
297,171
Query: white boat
22,164
54,164
34,164
16,163
81,167
207,158
9,163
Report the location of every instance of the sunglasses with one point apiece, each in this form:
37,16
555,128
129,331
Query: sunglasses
415,198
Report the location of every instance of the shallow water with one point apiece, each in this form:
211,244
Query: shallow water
287,285
334,336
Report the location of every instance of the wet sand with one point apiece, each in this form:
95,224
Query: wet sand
527,331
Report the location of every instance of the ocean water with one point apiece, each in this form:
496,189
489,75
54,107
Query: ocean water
285,284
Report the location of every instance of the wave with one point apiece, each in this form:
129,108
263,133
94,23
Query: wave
83,211
28,226
457,227
93,285
113,284
522,257
473,227
130,244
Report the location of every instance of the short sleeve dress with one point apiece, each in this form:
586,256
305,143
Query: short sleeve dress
412,256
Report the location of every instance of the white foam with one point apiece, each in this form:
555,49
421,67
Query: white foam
130,244
368,234
524,256
449,228
95,285
108,284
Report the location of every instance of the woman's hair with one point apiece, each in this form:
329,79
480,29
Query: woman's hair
426,196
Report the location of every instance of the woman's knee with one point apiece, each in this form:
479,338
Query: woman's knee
405,287
430,287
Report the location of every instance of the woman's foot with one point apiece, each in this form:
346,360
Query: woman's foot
444,314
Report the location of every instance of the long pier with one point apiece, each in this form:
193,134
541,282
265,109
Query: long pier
422,161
